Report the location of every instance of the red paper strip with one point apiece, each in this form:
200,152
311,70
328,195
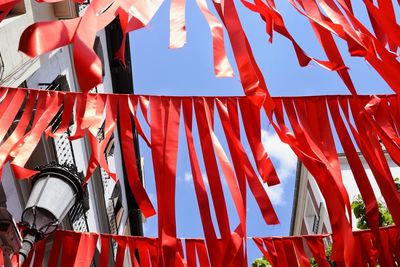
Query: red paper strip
279,251
355,163
222,67
133,101
253,181
129,156
98,154
165,115
177,35
337,17
316,246
43,117
321,162
6,6
252,126
200,189
104,251
211,166
19,130
250,75
39,253
69,249
86,250
119,258
370,120
300,252
9,109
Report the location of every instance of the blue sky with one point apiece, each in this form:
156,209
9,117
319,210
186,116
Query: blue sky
189,71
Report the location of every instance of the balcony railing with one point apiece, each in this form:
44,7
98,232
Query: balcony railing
315,224
82,7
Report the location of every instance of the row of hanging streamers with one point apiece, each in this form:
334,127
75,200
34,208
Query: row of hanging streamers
328,18
297,250
336,18
91,113
371,122
81,249
312,126
133,15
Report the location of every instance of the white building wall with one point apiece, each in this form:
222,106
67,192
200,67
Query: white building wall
59,62
18,67
116,159
44,69
350,185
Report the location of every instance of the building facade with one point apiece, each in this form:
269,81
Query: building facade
309,214
107,209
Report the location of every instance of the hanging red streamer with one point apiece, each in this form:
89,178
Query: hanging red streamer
336,17
133,15
78,249
301,122
327,17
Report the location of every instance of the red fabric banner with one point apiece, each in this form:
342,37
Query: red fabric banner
329,17
144,251
368,120
133,15
326,17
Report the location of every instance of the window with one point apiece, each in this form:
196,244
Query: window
310,214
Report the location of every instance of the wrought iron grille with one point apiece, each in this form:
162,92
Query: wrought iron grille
65,155
315,224
82,6
111,216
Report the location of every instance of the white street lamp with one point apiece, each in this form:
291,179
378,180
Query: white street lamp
56,188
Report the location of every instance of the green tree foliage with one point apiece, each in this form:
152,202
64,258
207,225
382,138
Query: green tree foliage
328,253
358,207
261,262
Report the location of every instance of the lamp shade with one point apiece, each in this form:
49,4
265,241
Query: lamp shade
56,188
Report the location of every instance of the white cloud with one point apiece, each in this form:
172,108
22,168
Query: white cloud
284,158
285,162
188,177
275,194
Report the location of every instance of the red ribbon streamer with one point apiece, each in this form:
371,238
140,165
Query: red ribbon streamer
370,120
133,15
326,17
279,251
165,116
129,156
